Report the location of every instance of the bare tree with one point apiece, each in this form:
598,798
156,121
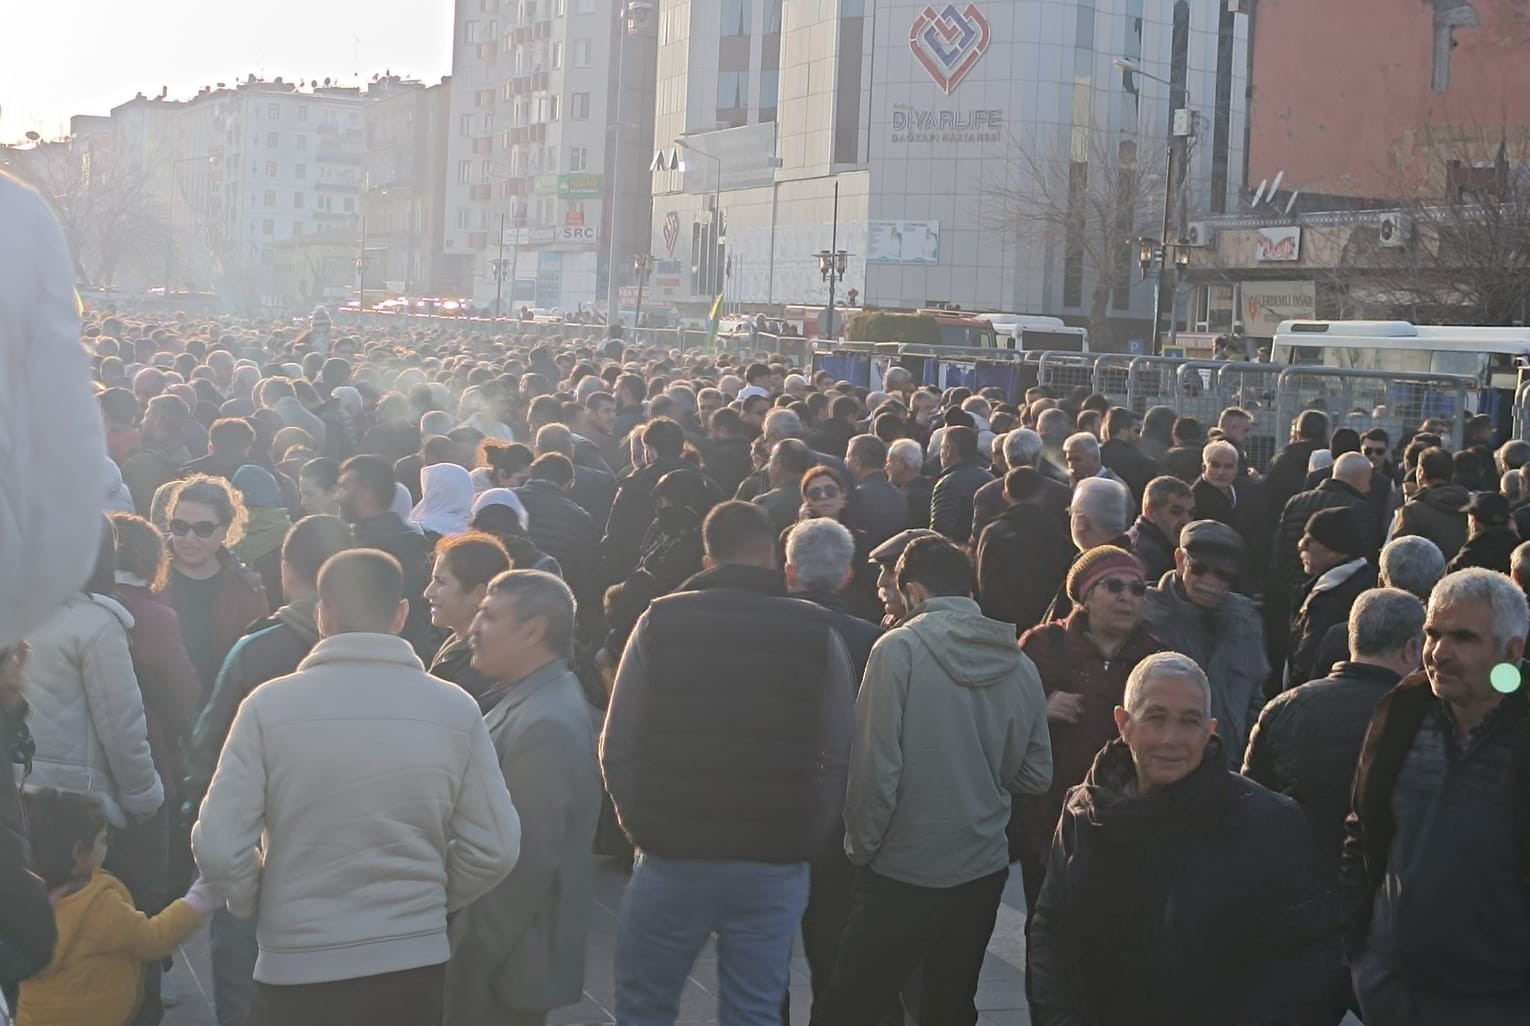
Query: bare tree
1089,198
107,208
1459,249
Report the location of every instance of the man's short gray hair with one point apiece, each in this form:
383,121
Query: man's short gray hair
1162,664
1107,504
1382,621
1085,441
783,424
1054,426
896,377
1511,615
436,422
820,551
537,593
907,452
1022,446
1221,447
1512,484
1412,563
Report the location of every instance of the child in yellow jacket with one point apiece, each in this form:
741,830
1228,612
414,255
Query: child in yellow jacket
96,976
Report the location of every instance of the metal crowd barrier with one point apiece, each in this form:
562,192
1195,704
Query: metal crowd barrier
1273,395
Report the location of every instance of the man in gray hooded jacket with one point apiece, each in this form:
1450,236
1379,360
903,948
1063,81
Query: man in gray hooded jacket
951,721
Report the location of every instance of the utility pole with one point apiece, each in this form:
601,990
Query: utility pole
499,270
642,264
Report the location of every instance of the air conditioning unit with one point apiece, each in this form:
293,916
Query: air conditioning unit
1396,230
1200,233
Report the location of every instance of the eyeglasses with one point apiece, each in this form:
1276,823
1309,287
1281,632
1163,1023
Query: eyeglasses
1200,569
819,492
1374,452
202,528
1116,585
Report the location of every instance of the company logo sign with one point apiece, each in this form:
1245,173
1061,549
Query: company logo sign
671,231
949,42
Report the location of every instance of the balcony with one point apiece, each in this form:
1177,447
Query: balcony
338,187
481,193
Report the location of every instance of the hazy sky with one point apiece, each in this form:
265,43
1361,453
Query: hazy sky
85,57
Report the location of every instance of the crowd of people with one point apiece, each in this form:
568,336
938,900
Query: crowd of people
361,646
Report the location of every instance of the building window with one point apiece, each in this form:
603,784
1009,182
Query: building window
274,111
270,169
552,108
732,90
575,213
735,17
462,219
484,171
350,205
270,197
297,200
464,172
268,227
465,125
557,56
301,171
470,32
302,143
584,6
579,106
578,158
579,53
302,112
272,142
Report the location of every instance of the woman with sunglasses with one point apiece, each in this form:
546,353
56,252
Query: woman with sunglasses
1084,661
215,596
825,494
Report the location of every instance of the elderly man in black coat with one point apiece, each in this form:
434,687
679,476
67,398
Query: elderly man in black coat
1178,891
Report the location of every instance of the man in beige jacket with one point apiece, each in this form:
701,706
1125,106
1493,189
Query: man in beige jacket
355,804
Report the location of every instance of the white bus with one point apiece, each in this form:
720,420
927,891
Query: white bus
1028,333
1492,356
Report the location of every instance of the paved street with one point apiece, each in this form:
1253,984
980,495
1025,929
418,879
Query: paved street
1001,993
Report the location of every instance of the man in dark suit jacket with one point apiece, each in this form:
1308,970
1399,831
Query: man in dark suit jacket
1022,448
877,507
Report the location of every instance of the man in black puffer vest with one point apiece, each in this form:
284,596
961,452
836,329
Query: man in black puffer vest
726,751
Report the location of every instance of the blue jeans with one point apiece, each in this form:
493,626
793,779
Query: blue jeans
234,950
670,909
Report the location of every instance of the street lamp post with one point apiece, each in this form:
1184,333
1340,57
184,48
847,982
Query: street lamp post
642,264
832,263
633,15
499,272
1170,251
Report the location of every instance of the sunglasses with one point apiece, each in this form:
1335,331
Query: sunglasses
1200,569
202,528
1116,585
823,492
1374,452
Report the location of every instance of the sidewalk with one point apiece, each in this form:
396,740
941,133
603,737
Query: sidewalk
1000,997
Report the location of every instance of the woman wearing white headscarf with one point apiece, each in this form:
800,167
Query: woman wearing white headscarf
447,502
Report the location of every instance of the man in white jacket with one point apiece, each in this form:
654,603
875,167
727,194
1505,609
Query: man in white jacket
355,804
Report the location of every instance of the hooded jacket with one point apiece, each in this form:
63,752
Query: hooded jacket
96,977
87,712
1435,513
1196,906
272,648
152,464
950,722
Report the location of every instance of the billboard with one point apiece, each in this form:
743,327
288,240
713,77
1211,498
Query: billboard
1278,245
903,242
1264,304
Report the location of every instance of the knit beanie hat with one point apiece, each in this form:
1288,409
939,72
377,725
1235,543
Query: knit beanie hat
1098,563
1337,528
